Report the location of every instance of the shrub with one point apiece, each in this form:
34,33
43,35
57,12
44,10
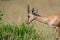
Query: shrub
21,32
1,14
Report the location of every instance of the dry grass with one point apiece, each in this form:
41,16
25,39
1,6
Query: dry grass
15,11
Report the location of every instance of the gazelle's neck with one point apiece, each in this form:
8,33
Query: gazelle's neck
42,19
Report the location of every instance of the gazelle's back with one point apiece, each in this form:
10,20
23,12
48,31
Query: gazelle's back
55,19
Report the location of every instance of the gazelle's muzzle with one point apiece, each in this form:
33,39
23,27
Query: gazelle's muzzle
27,22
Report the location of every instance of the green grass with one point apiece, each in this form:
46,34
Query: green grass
21,32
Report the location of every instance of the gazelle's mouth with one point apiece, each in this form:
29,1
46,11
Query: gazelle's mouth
28,22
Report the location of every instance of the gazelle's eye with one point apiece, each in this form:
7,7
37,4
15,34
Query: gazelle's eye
28,16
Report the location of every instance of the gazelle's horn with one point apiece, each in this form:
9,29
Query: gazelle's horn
28,8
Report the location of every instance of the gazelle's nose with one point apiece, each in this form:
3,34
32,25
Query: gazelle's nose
27,22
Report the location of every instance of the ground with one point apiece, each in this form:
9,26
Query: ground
16,11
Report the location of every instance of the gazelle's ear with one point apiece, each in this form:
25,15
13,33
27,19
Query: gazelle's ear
34,11
28,9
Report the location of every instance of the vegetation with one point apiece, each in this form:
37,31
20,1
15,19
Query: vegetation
1,14
21,32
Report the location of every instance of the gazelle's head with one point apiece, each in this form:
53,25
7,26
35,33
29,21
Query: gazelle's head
31,14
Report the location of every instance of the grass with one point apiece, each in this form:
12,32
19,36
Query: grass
21,32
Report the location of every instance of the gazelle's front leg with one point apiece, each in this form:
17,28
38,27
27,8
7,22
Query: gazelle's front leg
57,33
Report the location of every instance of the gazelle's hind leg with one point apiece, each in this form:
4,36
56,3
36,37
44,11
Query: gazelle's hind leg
57,33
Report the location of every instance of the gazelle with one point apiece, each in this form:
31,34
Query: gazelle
53,20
